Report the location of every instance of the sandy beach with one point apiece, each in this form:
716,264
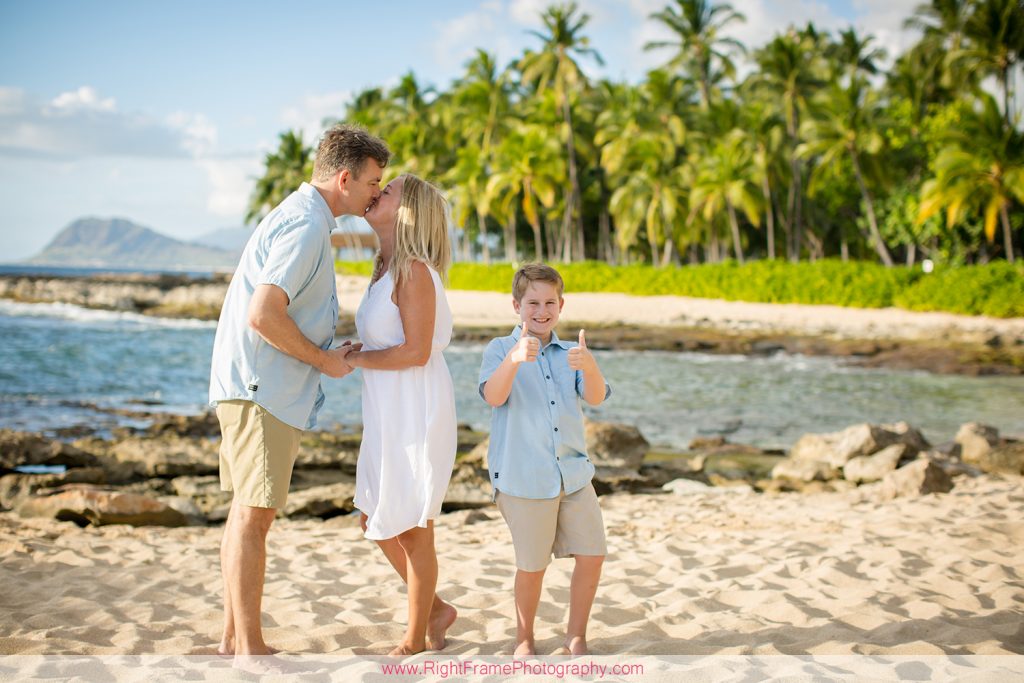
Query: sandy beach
721,572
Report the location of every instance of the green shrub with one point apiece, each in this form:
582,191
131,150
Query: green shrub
996,289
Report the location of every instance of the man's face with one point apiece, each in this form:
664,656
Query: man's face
362,189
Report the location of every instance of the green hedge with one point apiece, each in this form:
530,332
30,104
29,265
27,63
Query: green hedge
996,289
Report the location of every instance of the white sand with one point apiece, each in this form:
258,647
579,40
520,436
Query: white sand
695,574
492,308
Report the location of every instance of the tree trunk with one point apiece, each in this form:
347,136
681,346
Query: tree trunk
537,255
481,220
551,237
876,236
604,249
796,191
911,254
769,216
1004,218
737,246
574,185
510,238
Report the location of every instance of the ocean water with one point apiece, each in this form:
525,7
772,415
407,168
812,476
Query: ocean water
57,359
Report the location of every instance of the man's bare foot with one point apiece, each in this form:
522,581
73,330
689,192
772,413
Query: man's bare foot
525,649
577,645
437,626
405,650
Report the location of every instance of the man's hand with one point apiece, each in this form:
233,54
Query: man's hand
335,360
580,357
525,350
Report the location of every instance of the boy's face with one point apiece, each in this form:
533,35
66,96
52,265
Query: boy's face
539,309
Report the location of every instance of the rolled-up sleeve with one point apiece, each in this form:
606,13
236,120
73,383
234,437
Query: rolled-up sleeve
292,256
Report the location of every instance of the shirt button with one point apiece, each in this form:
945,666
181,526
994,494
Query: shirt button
552,403
547,376
556,429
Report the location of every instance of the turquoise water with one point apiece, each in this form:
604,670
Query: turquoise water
57,357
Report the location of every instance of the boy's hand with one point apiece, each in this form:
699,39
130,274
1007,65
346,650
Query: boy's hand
525,350
580,357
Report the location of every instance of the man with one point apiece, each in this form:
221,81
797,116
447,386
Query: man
273,342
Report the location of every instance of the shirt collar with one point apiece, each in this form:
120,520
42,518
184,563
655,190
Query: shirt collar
311,192
517,332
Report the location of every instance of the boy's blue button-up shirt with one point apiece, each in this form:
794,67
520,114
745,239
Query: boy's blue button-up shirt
290,249
537,446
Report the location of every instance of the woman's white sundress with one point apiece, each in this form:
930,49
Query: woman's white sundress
409,428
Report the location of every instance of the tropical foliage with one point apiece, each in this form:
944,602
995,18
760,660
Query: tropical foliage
814,145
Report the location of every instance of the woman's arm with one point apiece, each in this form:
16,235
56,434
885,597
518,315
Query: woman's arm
417,306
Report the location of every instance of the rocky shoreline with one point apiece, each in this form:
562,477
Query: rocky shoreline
166,473
974,353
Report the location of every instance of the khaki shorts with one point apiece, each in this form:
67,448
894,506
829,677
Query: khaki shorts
564,526
257,453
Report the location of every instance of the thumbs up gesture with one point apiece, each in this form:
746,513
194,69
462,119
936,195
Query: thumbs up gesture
580,357
525,350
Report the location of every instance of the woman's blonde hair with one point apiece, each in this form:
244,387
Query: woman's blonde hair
421,230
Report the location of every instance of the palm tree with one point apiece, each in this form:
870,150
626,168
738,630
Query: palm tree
480,101
983,167
847,127
788,74
556,66
529,167
764,127
701,51
725,181
640,136
995,32
284,171
854,55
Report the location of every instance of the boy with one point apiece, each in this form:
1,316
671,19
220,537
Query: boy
537,457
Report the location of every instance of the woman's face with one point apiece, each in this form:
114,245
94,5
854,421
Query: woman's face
384,211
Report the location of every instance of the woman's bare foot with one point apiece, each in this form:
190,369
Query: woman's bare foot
260,665
577,645
228,650
525,649
437,626
405,650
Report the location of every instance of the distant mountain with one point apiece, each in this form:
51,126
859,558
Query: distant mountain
117,242
229,239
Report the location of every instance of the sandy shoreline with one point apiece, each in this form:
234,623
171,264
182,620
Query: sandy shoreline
718,572
484,309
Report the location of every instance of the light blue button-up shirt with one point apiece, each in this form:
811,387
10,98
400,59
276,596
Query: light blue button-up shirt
537,446
291,248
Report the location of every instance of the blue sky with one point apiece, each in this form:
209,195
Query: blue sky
162,112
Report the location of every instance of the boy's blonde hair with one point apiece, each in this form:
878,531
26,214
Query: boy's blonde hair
421,230
535,272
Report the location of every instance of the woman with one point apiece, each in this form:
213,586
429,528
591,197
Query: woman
409,428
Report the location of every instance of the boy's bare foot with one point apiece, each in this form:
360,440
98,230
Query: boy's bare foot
524,649
437,626
577,645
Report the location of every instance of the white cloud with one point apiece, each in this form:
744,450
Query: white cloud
231,182
85,98
308,116
80,124
199,135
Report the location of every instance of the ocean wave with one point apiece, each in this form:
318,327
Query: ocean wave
91,316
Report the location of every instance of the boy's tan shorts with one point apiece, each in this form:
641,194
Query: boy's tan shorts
257,453
564,526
